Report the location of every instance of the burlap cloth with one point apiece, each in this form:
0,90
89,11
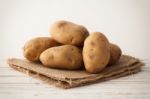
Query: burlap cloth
67,79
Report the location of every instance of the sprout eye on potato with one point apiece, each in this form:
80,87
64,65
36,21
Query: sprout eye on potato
115,53
34,47
96,52
69,33
62,57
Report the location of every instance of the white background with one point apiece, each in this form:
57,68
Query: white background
124,22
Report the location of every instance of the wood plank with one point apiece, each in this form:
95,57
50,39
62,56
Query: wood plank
15,85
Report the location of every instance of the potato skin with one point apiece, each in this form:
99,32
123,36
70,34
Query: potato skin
96,52
62,57
34,47
115,53
69,33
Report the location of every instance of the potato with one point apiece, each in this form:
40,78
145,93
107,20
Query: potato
115,53
96,52
69,33
62,57
34,47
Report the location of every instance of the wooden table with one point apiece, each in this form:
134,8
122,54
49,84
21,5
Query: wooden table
15,85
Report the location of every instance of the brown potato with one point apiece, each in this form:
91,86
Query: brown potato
62,57
115,53
96,52
69,33
34,47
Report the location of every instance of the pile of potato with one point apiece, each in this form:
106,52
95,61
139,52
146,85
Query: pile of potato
72,47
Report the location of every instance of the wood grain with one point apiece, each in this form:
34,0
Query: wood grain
16,85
